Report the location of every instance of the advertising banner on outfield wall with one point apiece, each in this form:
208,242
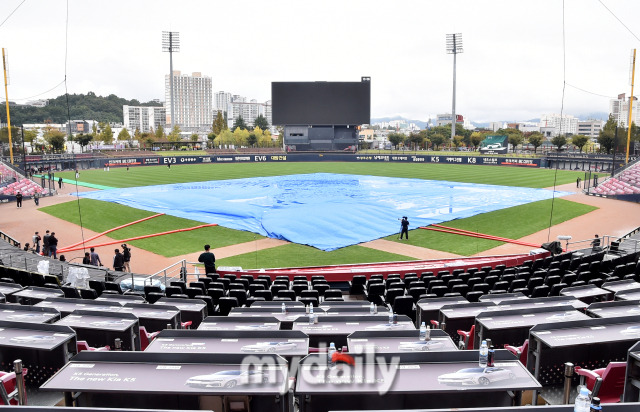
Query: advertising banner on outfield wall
323,157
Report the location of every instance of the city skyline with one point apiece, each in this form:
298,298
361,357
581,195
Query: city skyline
511,68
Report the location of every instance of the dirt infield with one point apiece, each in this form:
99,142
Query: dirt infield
613,217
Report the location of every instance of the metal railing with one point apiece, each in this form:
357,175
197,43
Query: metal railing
177,271
607,242
9,239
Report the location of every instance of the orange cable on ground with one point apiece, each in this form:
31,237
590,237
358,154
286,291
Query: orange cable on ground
455,231
143,237
66,249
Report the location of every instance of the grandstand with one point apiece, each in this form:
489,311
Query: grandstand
626,182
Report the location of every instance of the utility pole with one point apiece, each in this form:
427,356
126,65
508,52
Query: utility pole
454,46
171,43
6,93
633,72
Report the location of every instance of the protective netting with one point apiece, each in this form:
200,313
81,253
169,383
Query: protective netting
327,211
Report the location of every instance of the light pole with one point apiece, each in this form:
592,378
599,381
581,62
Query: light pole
171,43
454,46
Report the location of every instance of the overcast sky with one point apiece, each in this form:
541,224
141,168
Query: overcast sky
511,68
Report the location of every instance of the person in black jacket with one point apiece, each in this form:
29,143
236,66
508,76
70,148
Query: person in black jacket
126,254
53,245
19,199
404,224
118,261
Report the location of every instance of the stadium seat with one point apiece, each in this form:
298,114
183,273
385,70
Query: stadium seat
520,351
8,389
88,294
264,294
71,292
467,338
146,338
613,380
240,295
83,345
226,304
403,305
333,293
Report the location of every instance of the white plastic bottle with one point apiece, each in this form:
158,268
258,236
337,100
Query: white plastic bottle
423,331
372,308
484,354
330,352
428,334
583,401
311,315
390,318
284,308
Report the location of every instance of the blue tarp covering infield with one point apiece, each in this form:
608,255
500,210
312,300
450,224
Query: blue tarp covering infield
327,211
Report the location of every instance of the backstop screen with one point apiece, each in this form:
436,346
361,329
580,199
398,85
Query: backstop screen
321,103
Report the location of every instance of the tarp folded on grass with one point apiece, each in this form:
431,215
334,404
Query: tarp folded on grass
323,210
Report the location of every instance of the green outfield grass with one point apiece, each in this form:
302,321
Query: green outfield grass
301,255
156,175
513,223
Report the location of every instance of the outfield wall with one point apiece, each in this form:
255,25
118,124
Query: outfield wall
322,157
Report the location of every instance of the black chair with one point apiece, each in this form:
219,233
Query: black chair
482,287
262,282
88,294
395,285
524,291
113,286
225,281
212,276
248,278
192,292
454,282
491,280
415,292
180,296
206,280
465,277
178,283
230,276
517,284
37,279
309,301
375,293
276,288
287,294
298,288
71,292
215,294
226,304
552,280
356,285
473,281
474,296
540,291
438,290
579,283
310,294
255,287
237,285
534,282
218,285
149,289
300,277
569,278
321,288
152,297
435,283
392,294
266,278
597,282
452,294
171,290
239,294
500,285
403,305
210,307
264,294
200,285
461,289
282,299
253,299
333,293
243,281
335,299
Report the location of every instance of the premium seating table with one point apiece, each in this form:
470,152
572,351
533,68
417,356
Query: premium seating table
399,341
171,381
615,407
9,288
43,348
103,328
121,299
67,305
511,326
587,293
628,294
191,310
33,295
336,328
429,309
614,309
462,316
499,297
30,314
411,380
154,318
543,302
620,285
590,343
253,323
286,343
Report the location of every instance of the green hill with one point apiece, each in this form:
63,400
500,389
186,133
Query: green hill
81,107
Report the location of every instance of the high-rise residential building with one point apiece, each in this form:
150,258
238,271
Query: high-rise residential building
249,110
144,118
221,102
193,108
619,108
561,124
590,128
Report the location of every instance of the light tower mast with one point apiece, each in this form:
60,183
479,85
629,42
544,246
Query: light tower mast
454,46
171,43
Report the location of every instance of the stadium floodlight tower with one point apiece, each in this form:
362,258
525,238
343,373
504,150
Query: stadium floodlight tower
171,43
454,46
